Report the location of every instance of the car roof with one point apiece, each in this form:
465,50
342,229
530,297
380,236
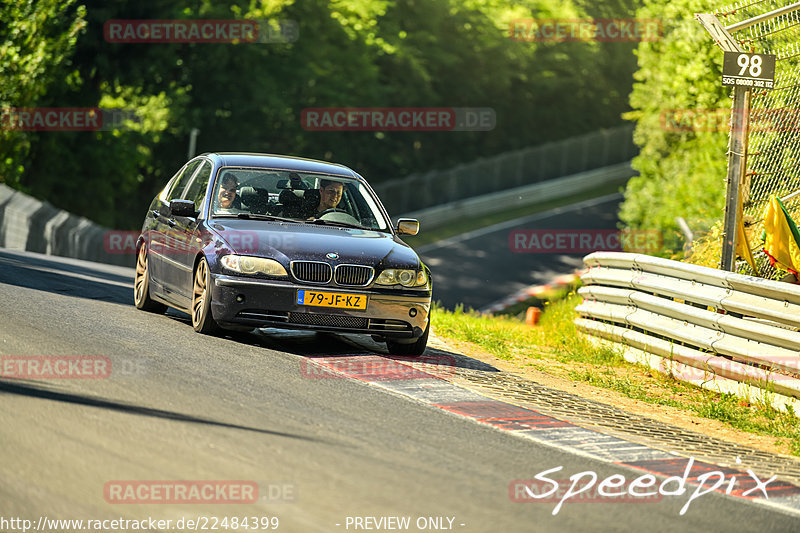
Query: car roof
300,164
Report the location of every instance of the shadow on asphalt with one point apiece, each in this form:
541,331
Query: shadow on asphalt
57,277
28,389
317,345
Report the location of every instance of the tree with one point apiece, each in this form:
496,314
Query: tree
37,39
681,170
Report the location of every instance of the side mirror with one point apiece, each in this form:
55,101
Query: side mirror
407,226
182,208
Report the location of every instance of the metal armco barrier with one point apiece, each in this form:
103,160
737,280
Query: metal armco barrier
30,224
509,170
701,324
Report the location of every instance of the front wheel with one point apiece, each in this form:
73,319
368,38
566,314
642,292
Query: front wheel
202,321
141,284
413,348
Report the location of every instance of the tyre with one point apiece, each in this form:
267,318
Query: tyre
141,285
202,321
413,348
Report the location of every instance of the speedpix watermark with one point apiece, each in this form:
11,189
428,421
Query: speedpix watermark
55,366
617,488
567,30
583,241
201,31
398,119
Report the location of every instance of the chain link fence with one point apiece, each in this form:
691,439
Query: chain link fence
508,170
773,139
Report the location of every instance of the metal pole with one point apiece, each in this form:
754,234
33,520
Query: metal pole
192,143
737,163
737,147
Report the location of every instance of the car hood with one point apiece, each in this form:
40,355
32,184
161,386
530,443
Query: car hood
287,241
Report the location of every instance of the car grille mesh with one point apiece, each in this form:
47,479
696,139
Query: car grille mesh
338,321
354,275
311,271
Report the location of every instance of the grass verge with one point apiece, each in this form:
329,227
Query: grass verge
555,348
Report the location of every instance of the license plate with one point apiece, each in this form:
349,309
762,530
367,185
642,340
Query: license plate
332,299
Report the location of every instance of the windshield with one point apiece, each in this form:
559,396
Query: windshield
313,198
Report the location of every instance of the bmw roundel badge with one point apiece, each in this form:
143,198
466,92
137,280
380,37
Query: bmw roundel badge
332,255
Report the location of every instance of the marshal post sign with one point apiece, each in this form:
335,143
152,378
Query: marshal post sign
750,71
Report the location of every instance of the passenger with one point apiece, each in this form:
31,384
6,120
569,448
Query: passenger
227,197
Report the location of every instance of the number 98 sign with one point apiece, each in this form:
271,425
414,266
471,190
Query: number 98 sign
756,71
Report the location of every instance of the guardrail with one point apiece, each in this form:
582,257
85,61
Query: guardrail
721,330
508,170
527,195
30,224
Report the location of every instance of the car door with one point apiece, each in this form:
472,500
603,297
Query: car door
162,232
183,246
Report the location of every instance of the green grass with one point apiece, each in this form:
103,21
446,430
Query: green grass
555,347
472,223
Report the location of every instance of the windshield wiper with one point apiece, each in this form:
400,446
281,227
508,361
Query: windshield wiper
255,216
336,223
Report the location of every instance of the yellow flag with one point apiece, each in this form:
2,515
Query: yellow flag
782,237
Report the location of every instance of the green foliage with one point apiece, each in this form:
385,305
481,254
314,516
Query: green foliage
37,38
250,96
681,173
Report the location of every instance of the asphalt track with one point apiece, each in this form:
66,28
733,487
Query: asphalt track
182,406
479,268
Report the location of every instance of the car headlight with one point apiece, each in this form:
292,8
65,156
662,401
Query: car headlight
245,264
406,278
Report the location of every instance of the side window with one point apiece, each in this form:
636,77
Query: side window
180,183
196,190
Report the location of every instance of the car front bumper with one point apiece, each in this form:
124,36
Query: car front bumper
238,301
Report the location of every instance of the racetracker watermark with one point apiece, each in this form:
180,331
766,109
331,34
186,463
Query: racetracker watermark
375,368
612,490
173,243
180,492
55,366
146,31
398,119
765,369
65,119
784,119
583,241
570,30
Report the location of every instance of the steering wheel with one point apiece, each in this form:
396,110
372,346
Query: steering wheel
331,210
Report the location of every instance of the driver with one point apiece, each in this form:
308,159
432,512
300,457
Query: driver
330,194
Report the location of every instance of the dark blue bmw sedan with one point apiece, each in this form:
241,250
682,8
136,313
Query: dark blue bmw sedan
242,241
